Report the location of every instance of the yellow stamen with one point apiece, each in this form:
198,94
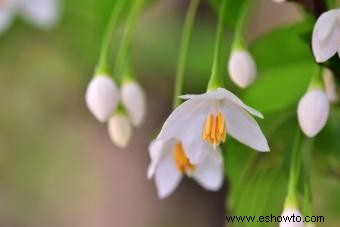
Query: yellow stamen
214,129
183,164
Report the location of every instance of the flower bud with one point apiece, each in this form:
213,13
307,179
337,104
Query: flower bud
313,111
330,86
102,97
120,130
134,100
291,217
242,68
41,13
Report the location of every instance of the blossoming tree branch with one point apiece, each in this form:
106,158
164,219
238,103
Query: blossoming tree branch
220,134
190,141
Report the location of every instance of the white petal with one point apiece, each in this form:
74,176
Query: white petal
220,94
7,10
120,130
209,173
134,100
330,85
214,95
185,124
242,68
325,38
233,98
102,97
167,177
288,221
243,127
313,111
157,149
42,13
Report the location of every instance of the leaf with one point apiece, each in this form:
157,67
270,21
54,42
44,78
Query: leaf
285,66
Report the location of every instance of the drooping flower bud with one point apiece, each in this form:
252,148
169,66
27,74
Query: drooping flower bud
41,13
120,130
325,36
242,68
291,217
102,97
330,86
313,111
134,100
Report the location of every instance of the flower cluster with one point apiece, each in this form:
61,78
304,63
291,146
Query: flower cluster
103,98
41,13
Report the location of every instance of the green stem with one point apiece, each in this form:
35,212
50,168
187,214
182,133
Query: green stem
307,187
182,59
295,165
241,25
103,63
215,80
121,59
317,80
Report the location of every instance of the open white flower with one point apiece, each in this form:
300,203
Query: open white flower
203,121
41,13
293,218
169,163
326,35
134,100
102,97
120,130
242,68
313,111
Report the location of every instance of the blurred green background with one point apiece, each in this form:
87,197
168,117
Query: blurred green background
58,166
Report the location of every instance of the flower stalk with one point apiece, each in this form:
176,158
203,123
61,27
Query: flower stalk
103,63
291,199
215,80
122,55
239,42
184,47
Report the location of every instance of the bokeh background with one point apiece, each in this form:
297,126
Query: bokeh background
58,166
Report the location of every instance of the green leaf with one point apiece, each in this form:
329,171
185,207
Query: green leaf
285,66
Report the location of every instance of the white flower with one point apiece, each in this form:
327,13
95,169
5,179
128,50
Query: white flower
102,97
120,130
169,163
330,85
242,68
134,100
326,35
205,120
41,13
313,111
279,1
293,218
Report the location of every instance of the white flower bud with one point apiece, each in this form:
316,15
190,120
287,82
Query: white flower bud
330,85
291,217
325,38
102,97
313,111
120,130
134,100
242,68
41,13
